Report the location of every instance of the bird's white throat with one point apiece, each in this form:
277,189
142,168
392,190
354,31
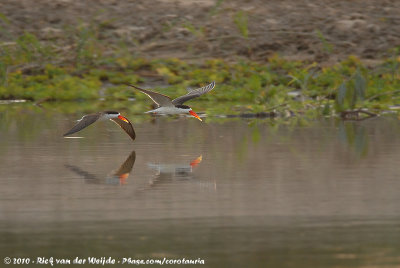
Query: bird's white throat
170,110
109,116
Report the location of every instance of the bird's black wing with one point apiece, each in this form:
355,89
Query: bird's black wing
86,121
126,126
193,94
157,98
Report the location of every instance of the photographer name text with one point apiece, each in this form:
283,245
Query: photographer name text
100,261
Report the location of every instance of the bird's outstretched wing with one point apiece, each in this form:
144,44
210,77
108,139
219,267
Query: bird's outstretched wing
157,98
86,121
193,94
126,126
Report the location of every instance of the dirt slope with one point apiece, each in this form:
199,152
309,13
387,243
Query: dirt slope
323,31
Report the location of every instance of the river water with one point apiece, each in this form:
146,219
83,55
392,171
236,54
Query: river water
229,192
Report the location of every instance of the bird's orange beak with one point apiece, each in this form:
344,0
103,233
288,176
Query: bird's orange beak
123,118
195,115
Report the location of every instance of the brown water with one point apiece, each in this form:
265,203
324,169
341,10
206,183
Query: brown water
232,192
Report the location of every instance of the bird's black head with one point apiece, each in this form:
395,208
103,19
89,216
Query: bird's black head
111,112
182,106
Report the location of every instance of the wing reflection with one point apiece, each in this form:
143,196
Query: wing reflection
117,177
167,173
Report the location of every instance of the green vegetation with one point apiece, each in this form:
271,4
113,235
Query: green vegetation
240,20
39,72
328,47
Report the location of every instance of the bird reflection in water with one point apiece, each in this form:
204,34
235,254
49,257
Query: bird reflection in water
117,177
178,172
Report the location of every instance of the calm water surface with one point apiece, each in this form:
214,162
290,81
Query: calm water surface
233,192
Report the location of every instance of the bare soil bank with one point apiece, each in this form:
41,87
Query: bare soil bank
323,31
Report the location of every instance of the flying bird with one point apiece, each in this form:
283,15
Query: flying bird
116,117
168,106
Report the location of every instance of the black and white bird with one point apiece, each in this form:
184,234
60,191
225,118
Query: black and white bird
116,117
168,106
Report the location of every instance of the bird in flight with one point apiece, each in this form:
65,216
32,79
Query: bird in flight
168,106
116,117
